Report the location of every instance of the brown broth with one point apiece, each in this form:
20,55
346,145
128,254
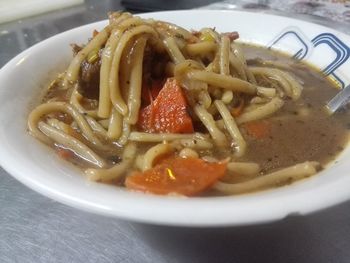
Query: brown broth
302,130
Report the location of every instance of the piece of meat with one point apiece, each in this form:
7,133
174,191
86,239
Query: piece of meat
232,35
75,48
89,79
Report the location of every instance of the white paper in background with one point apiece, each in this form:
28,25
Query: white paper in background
17,9
337,10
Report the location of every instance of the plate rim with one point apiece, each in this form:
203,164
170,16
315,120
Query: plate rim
156,200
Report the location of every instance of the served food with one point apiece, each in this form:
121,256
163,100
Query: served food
153,107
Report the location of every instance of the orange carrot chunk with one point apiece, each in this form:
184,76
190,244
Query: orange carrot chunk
258,129
168,112
186,176
64,153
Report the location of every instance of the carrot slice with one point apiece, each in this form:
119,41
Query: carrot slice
64,153
186,176
257,129
168,112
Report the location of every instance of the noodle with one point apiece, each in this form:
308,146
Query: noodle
236,50
174,29
188,153
75,101
246,169
134,100
266,92
115,94
208,121
115,125
97,127
95,43
104,107
201,48
237,66
204,98
153,153
158,137
261,112
227,96
123,139
108,52
47,108
118,170
70,142
173,50
223,81
295,172
289,85
224,55
59,125
195,144
232,128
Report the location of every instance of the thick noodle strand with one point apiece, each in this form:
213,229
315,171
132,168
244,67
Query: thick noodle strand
134,100
295,172
95,44
118,170
71,143
232,128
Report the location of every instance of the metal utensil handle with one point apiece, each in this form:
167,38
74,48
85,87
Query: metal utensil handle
339,100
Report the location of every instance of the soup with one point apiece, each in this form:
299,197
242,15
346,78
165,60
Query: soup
155,108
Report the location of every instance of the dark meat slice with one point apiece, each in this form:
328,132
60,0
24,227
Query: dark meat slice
232,35
89,79
75,48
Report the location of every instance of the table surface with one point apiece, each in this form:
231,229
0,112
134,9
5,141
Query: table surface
34,228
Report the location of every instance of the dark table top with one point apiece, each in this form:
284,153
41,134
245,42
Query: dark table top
34,228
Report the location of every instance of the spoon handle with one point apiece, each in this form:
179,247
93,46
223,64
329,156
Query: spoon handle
339,100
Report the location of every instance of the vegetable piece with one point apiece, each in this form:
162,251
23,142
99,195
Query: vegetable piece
258,129
186,176
64,153
168,112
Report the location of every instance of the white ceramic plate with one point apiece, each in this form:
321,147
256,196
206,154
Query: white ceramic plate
35,165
